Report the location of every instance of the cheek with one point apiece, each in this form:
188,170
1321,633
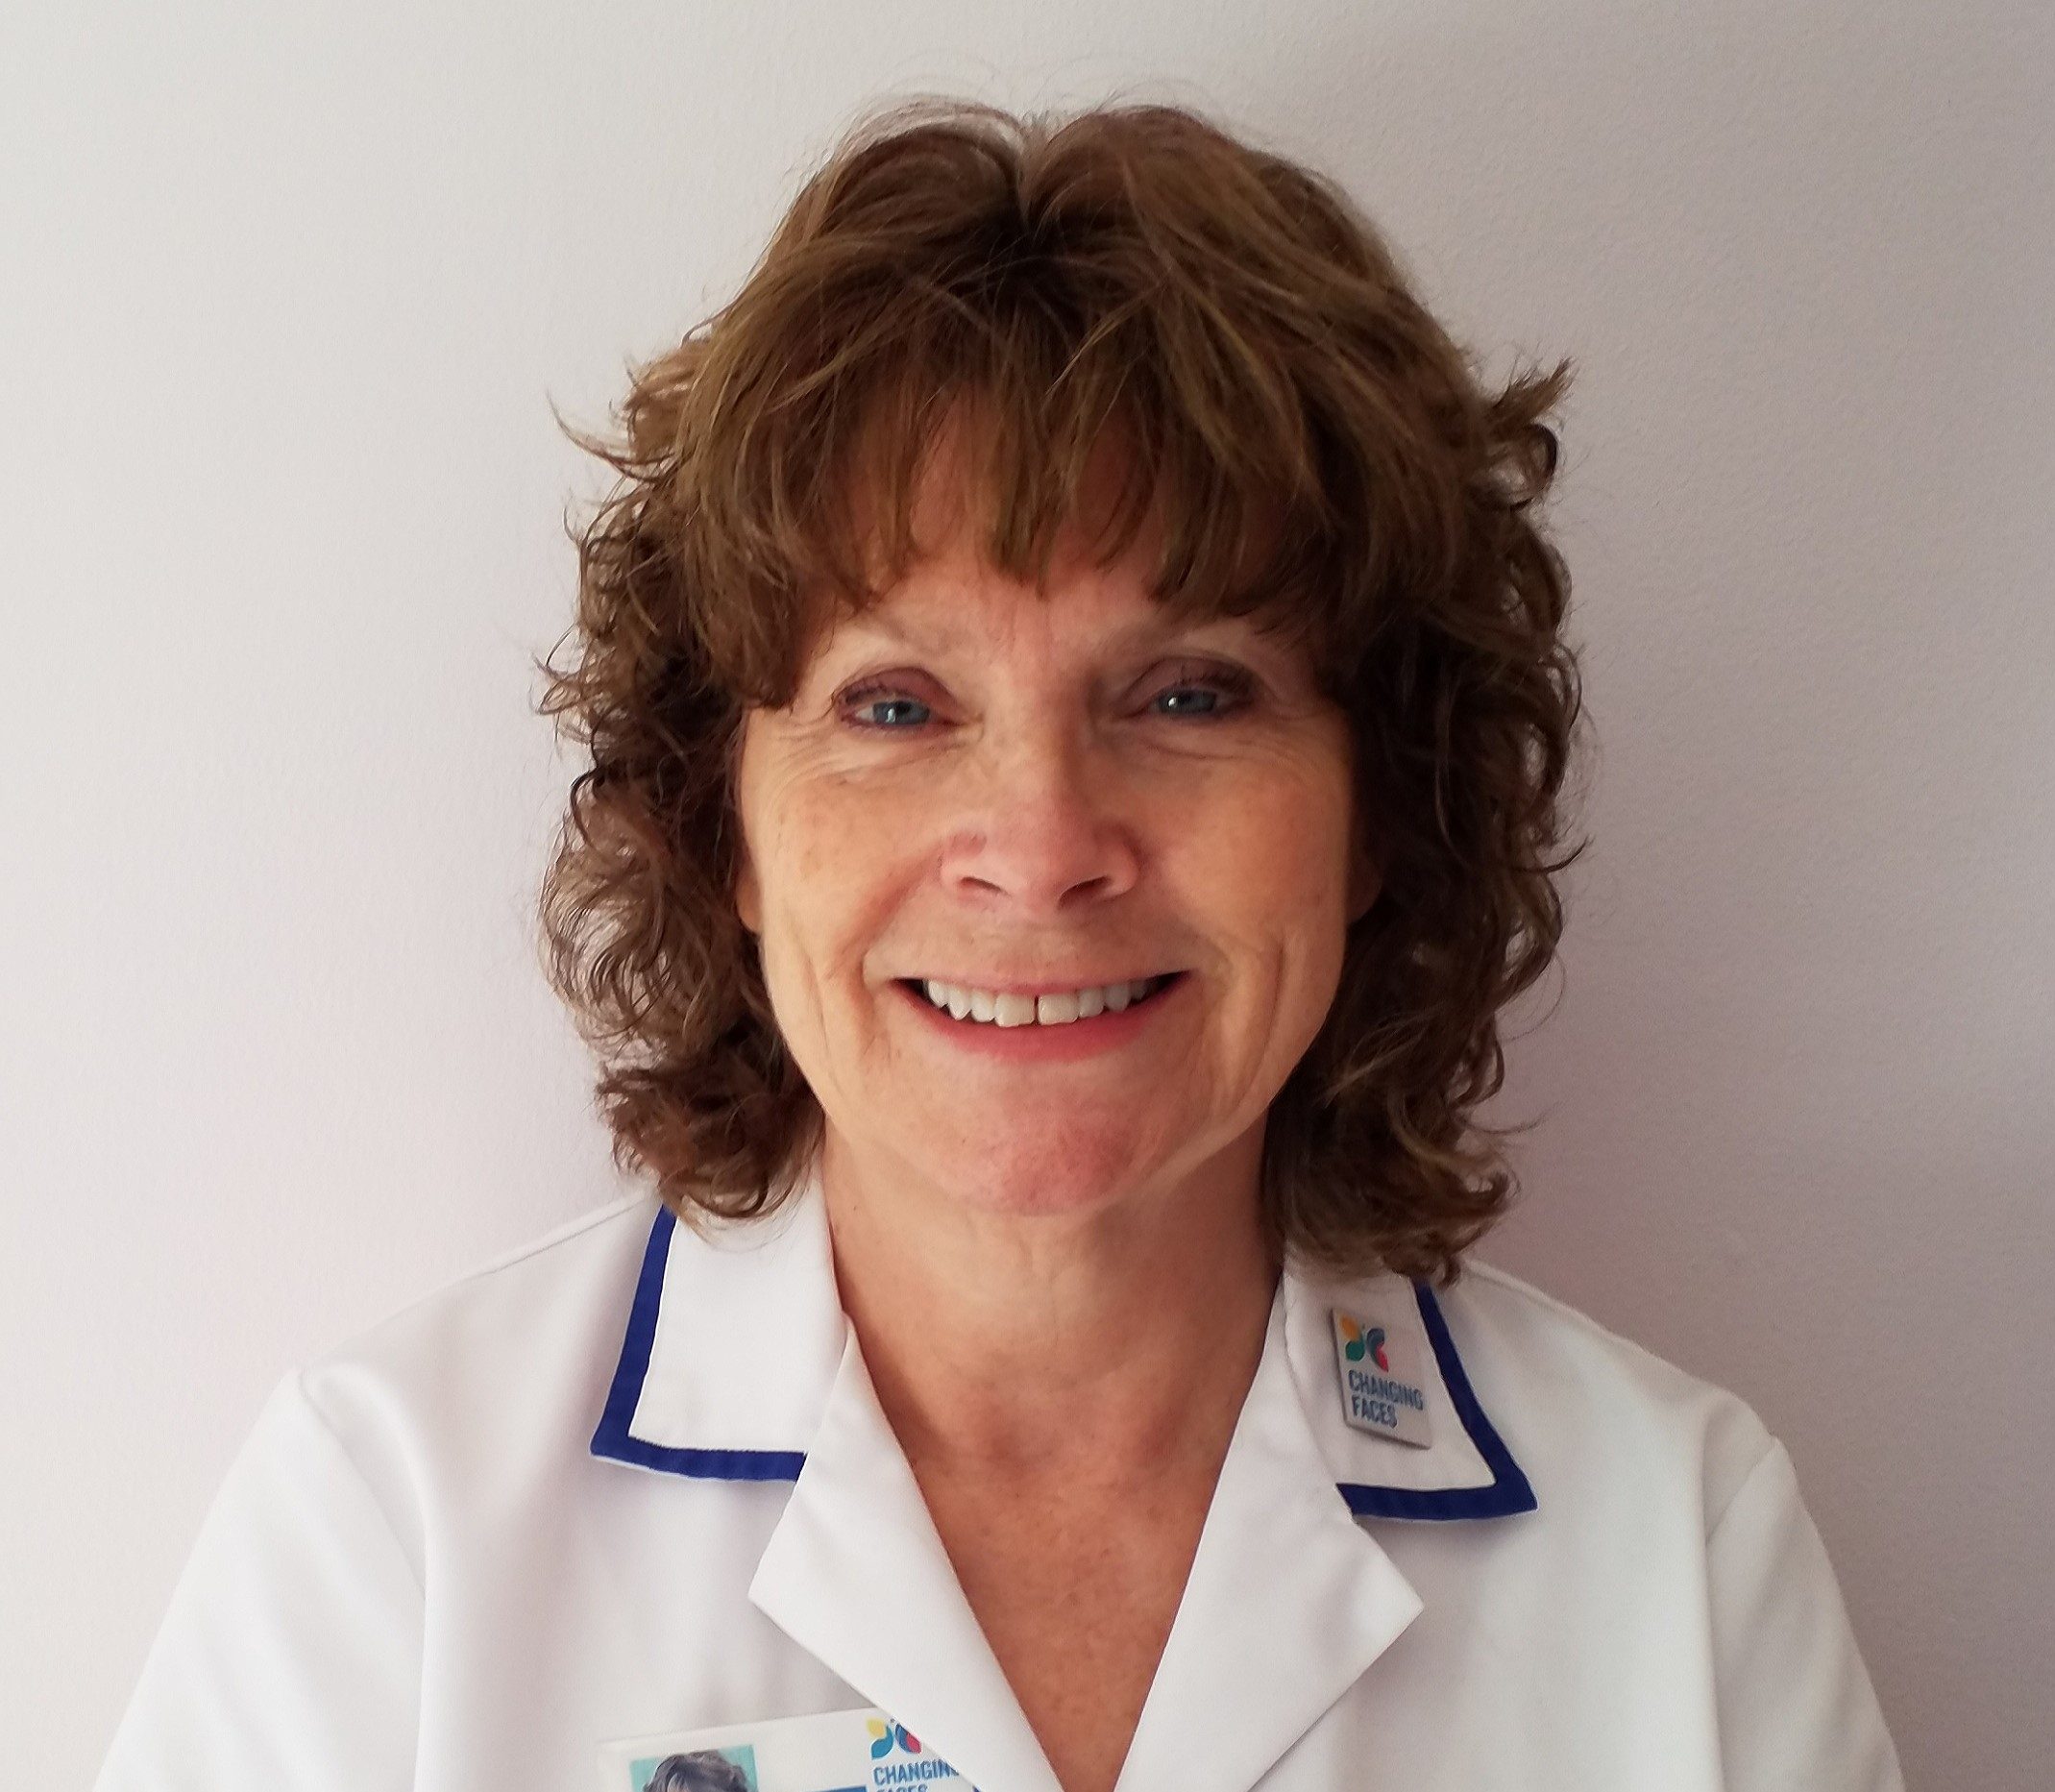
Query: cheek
1272,857
830,870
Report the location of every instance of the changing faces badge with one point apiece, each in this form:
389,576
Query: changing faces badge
862,1750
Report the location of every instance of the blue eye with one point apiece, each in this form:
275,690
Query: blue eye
1227,697
1229,688
876,696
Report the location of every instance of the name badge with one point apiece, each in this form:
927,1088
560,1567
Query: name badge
1382,1390
860,1750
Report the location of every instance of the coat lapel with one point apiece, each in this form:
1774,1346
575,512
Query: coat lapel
1289,1601
856,1574
1465,1471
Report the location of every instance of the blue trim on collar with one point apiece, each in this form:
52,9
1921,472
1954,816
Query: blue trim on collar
1510,1491
612,1439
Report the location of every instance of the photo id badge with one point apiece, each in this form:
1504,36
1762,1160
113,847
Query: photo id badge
860,1751
1382,1390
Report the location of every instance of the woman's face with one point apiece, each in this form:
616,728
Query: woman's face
977,787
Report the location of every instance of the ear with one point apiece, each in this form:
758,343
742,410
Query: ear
749,899
743,892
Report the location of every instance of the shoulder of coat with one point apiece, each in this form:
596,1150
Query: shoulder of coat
1552,1345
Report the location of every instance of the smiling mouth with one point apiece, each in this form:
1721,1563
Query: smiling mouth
1013,1011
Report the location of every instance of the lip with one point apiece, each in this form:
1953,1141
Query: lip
1033,1044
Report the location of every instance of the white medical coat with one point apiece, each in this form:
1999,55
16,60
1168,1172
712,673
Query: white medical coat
633,1479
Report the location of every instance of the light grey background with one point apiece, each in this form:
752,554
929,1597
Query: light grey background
287,290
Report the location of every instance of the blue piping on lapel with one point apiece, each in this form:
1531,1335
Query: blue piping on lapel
612,1439
1510,1491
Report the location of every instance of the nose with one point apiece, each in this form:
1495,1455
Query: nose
1047,827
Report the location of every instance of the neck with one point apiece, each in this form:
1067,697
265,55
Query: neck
1109,1344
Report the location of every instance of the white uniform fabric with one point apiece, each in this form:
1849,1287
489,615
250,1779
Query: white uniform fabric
633,1479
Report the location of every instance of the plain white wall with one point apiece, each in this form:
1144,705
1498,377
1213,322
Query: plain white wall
289,290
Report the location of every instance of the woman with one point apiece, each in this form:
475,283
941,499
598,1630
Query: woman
1078,708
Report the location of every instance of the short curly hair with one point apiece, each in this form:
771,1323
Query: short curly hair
1325,459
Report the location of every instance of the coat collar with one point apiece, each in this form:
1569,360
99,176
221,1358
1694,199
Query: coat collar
738,1364
735,1339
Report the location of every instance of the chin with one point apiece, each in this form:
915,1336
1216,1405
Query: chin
1057,1176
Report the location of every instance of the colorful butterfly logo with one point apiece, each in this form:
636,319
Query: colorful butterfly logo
884,1735
1356,1344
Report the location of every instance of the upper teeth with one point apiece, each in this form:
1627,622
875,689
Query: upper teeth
1006,1010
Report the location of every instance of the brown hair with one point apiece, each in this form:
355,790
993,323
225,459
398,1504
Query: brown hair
1325,459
